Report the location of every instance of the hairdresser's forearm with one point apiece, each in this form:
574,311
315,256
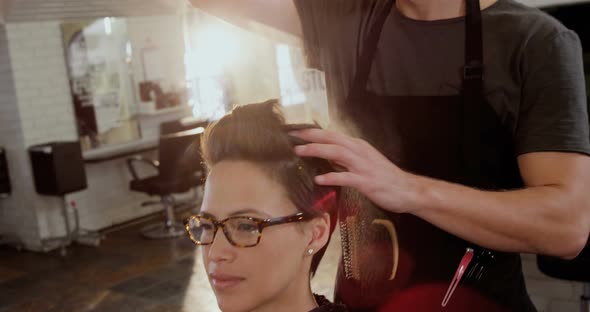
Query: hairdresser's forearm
550,220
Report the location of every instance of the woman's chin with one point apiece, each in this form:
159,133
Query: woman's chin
224,307
231,304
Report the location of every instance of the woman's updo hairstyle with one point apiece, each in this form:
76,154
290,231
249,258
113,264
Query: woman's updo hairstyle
257,133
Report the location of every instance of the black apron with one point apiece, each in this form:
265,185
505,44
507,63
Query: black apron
458,139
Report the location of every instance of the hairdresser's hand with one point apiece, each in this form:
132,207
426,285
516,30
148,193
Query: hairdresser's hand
365,169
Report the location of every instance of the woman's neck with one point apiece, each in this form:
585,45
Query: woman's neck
297,297
431,10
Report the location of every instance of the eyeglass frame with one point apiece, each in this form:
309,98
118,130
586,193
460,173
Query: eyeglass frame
262,224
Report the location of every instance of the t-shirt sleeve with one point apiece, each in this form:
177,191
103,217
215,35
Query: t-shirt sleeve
553,114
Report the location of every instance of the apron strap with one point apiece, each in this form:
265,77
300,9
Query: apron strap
473,88
473,70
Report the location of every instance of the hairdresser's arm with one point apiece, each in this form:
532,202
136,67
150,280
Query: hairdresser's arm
280,14
551,215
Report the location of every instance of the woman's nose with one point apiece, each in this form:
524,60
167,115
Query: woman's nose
221,249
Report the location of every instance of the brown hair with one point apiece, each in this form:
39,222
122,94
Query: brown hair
258,133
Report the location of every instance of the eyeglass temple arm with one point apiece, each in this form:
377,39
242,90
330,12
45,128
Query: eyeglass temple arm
282,220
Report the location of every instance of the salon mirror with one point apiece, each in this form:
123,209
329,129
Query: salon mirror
98,56
123,72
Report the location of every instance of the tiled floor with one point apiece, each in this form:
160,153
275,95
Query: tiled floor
126,273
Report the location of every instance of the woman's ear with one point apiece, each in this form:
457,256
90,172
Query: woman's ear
320,230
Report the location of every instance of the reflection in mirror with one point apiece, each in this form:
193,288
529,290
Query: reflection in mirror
98,55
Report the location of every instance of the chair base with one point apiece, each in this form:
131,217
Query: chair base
163,230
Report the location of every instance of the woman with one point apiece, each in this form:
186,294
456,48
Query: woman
264,225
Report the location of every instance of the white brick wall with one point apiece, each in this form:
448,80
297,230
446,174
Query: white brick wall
42,87
18,220
45,110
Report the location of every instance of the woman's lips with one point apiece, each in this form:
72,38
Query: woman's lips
224,282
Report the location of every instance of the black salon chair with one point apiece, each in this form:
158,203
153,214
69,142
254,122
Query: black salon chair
577,270
179,170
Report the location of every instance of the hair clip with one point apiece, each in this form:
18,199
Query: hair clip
300,165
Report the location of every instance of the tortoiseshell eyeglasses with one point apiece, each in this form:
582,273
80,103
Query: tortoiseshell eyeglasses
240,231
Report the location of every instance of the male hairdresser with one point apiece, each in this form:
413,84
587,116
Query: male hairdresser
475,141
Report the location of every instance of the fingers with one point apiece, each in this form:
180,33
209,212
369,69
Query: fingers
345,179
323,136
335,153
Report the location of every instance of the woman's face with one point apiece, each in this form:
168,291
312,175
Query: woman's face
244,279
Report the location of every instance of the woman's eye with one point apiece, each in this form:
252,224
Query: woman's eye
247,227
207,227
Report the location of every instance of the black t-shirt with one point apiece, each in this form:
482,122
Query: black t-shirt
534,75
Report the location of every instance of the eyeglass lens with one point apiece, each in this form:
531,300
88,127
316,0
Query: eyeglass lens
239,231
